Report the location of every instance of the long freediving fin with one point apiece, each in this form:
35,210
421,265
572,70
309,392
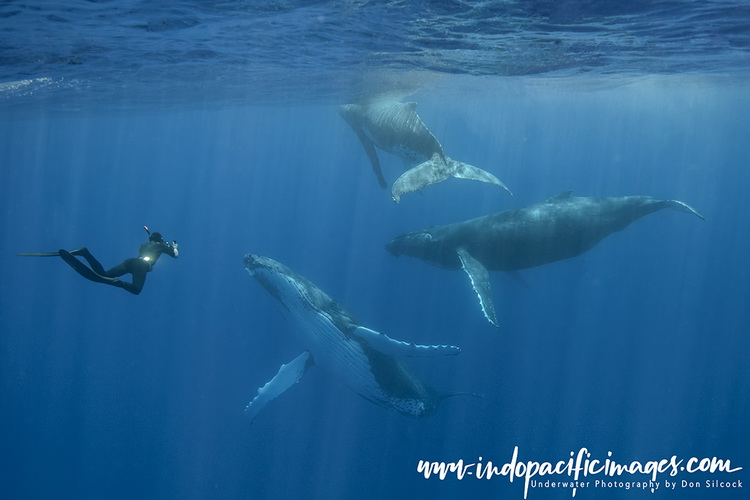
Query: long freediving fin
49,254
480,281
85,270
288,375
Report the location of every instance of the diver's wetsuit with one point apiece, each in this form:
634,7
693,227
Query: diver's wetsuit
148,254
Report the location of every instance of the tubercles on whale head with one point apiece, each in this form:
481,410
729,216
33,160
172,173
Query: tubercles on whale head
268,273
410,243
252,263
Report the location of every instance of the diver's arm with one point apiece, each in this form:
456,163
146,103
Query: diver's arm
172,249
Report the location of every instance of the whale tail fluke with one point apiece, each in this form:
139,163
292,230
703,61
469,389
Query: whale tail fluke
437,169
429,172
461,170
683,207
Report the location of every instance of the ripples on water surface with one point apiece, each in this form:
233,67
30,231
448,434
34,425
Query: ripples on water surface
136,51
638,348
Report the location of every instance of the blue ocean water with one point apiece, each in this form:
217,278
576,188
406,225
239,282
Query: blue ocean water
216,124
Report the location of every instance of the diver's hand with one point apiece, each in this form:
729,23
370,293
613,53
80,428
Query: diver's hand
175,248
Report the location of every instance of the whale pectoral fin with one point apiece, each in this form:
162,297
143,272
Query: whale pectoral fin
683,207
461,170
373,156
518,278
288,375
480,281
429,172
383,343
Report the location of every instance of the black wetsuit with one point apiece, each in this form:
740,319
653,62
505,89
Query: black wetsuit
148,254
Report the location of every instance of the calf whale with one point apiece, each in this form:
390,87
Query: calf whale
366,361
561,227
396,128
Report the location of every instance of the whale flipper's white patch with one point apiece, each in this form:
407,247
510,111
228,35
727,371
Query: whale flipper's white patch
383,343
480,280
288,375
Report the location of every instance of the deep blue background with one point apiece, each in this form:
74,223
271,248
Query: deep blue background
638,347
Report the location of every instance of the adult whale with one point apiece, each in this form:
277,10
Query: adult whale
396,128
561,227
366,361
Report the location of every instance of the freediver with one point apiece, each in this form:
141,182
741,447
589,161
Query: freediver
138,267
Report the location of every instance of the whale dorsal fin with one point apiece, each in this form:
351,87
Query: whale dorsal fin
383,343
561,196
480,281
518,278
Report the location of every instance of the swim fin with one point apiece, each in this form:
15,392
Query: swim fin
83,269
50,254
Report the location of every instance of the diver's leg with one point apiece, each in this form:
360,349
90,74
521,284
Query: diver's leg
139,279
123,267
130,287
138,268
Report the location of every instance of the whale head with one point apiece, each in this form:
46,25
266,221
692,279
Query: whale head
295,292
411,244
276,278
430,245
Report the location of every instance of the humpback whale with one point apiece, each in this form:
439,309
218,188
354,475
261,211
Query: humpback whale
561,227
365,360
396,128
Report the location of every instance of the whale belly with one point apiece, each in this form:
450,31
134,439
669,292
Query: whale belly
343,357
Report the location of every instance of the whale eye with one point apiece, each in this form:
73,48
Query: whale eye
425,236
